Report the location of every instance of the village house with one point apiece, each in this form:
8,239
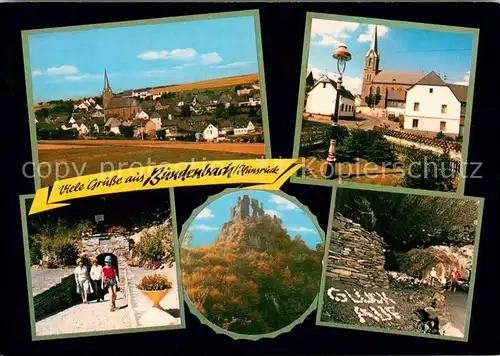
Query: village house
210,133
321,99
156,118
242,129
225,127
142,115
435,106
357,102
113,125
98,107
244,91
81,106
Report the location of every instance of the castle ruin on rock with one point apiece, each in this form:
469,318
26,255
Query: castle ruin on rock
242,209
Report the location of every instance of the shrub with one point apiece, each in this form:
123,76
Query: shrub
35,253
427,170
337,132
440,135
342,154
62,251
154,283
156,242
127,131
380,152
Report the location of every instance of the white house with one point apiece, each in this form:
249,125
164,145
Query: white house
142,115
255,87
156,118
156,96
98,107
210,133
244,91
71,120
92,101
83,129
83,106
113,125
435,106
357,102
321,99
243,130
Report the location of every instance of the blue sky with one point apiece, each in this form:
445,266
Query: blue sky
209,221
71,64
446,53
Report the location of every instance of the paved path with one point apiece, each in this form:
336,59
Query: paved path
456,304
361,121
87,318
145,315
43,279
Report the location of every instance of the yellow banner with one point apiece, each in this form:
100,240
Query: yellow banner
268,174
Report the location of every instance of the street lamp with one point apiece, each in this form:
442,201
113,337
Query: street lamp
342,55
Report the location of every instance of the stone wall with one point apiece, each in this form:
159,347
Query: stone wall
57,298
117,245
356,256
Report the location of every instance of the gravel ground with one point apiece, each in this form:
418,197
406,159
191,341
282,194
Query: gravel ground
87,318
141,304
43,279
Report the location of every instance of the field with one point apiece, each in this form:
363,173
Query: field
209,84
66,159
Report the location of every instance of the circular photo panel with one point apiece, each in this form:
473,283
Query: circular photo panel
251,263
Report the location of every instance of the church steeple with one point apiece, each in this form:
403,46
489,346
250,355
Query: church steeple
374,44
107,93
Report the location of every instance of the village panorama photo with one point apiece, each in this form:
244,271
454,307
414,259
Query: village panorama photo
145,93
385,102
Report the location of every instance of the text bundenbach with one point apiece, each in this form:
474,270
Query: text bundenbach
167,173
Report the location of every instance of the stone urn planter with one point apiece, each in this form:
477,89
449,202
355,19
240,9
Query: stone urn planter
155,287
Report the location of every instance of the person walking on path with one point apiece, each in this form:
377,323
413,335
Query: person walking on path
110,280
83,285
454,280
96,277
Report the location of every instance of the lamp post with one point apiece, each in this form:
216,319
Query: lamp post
342,55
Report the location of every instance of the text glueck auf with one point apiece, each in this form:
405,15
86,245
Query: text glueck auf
378,313
167,173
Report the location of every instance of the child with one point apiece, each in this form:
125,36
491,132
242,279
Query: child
454,280
110,280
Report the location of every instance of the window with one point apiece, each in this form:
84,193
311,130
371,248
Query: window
444,109
341,107
415,124
431,90
442,126
378,90
416,106
370,62
324,85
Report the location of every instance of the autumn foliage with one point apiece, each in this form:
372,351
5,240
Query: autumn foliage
255,279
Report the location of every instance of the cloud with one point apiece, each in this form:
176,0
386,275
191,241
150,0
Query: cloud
62,70
331,33
211,58
301,230
282,203
353,84
205,214
203,227
273,212
184,54
36,73
234,64
465,80
82,77
185,65
367,36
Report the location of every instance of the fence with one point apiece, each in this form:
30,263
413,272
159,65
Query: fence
430,141
403,150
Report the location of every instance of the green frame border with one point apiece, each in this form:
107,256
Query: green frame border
218,329
210,16
180,288
470,295
365,20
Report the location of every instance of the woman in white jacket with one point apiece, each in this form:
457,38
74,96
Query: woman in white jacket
96,277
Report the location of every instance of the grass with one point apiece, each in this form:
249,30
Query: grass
86,157
209,84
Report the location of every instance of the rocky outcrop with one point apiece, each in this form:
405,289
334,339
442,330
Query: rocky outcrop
419,262
356,256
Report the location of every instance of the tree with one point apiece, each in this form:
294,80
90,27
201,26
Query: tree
187,239
127,131
220,110
162,135
381,151
337,132
185,110
232,111
372,100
